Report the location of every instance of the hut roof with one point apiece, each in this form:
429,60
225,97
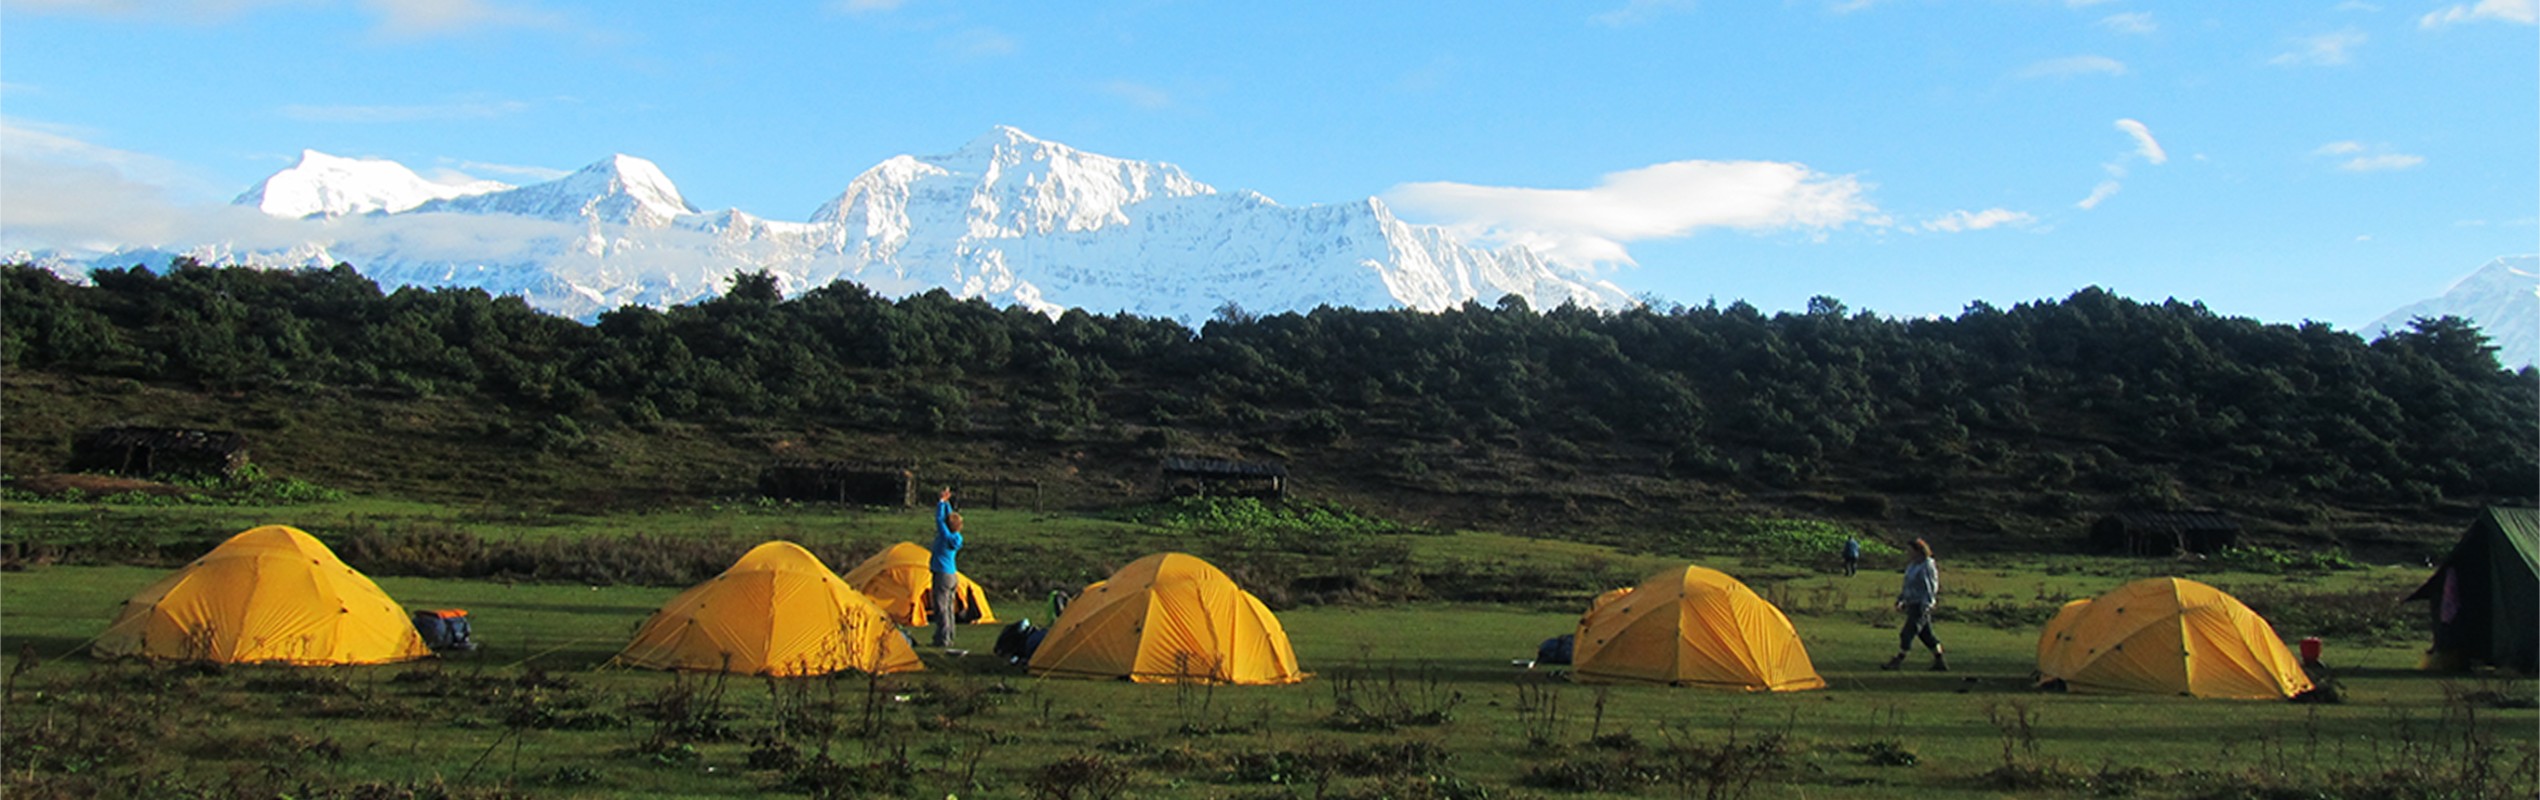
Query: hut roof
1220,468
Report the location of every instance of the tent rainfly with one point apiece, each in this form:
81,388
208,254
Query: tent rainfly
898,579
2485,596
273,595
2168,636
777,612
1692,626
1168,618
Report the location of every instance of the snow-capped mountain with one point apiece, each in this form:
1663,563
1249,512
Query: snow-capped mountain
1007,217
2502,297
322,185
620,189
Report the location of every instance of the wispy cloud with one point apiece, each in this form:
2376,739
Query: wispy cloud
181,11
1428,77
417,19
2106,189
1636,12
2072,65
2354,156
391,114
1588,227
58,190
398,19
2145,147
2526,12
2324,50
2144,144
460,171
1139,94
2136,23
36,143
1963,220
2383,162
867,6
980,43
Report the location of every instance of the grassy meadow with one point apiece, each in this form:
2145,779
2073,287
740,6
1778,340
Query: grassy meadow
1411,697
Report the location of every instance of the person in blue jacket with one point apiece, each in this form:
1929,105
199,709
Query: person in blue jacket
944,563
1851,555
1921,591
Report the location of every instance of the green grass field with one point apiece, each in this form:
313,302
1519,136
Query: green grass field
1409,699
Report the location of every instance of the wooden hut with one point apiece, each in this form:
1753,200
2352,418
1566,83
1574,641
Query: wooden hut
151,452
1210,476
2164,533
846,482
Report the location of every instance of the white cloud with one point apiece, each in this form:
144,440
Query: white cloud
2073,65
184,11
425,18
2324,50
1586,227
2136,22
2367,158
2144,144
2381,163
2103,191
980,43
2145,147
57,190
519,173
395,114
867,6
1963,220
2526,12
1635,12
1139,94
398,19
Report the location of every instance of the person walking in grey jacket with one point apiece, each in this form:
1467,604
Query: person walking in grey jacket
1921,591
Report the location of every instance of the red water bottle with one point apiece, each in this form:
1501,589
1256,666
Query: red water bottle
2310,651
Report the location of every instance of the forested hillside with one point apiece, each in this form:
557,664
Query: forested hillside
2012,426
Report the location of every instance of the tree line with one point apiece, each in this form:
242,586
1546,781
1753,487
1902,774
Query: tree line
2093,392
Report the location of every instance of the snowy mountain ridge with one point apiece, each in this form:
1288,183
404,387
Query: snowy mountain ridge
1006,217
321,185
2503,297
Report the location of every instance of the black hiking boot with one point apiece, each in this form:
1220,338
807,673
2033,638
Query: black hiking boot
1939,663
1893,663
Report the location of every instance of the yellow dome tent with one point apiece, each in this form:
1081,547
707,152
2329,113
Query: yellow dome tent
1168,618
1692,626
898,579
777,612
2047,651
273,594
2168,636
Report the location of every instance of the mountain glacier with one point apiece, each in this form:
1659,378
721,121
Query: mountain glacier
2503,297
321,185
1007,217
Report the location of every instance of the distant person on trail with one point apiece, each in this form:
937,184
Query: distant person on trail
1851,555
946,596
1922,590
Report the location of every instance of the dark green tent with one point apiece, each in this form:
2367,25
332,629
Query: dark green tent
2486,594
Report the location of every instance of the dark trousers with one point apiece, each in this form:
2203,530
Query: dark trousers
1851,564
946,606
1917,624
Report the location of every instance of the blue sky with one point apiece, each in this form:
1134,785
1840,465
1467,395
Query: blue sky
2280,160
